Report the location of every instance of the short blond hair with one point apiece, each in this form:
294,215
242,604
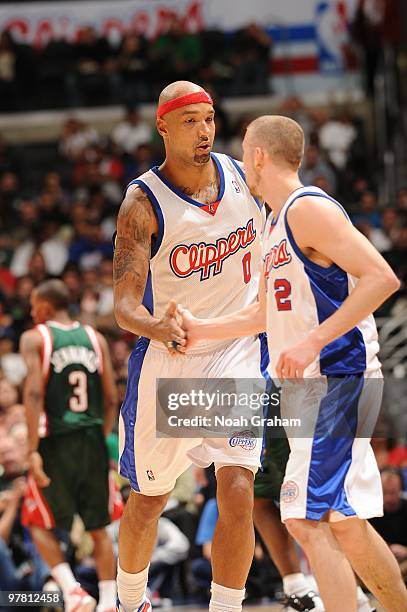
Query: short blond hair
281,137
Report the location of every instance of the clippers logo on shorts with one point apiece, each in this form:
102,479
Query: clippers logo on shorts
150,474
244,439
277,257
204,258
289,492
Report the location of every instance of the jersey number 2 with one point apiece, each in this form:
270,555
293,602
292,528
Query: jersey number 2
79,399
282,288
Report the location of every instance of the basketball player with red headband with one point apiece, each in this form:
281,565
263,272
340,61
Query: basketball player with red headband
188,229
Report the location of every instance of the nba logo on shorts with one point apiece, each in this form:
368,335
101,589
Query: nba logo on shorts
289,492
244,439
150,474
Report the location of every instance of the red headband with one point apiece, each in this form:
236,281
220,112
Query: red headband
192,98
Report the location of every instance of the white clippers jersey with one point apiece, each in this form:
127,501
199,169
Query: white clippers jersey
206,257
302,294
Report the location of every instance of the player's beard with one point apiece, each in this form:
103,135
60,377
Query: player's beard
202,159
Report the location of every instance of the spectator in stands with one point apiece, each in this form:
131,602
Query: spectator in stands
131,132
8,395
171,549
402,199
48,243
8,73
120,353
141,161
10,361
314,166
336,137
216,72
388,451
73,280
294,108
175,54
377,23
55,73
52,184
75,138
392,526
95,65
133,65
367,210
37,268
20,565
368,31
9,190
251,60
375,235
89,247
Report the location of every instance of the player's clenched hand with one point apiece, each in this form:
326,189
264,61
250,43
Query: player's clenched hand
189,324
293,361
171,331
36,468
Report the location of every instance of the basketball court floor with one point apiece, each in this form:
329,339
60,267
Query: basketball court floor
263,608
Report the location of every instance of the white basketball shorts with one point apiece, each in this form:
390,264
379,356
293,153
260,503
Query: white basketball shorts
153,464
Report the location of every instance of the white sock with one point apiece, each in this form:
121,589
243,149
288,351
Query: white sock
224,599
62,574
363,601
107,594
131,588
295,584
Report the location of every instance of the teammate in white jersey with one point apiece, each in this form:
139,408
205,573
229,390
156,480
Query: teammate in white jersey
323,280
191,230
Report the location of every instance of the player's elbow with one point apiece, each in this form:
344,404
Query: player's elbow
119,314
120,319
387,283
122,312
391,282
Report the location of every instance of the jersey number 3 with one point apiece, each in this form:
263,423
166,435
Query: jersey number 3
282,288
79,399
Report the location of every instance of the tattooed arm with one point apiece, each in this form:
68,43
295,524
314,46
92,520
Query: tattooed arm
136,225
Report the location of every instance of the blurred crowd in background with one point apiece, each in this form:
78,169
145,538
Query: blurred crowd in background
93,72
58,208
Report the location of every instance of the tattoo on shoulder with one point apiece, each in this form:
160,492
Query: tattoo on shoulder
133,239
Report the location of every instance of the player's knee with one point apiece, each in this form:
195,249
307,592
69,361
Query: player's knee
99,535
235,496
143,510
299,531
350,533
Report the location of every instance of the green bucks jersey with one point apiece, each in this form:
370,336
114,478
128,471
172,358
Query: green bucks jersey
72,364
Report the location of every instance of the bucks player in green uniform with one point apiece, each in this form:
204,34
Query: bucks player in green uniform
71,403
